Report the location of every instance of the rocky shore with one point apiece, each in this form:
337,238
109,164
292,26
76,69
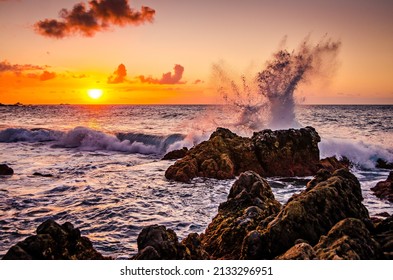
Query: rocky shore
327,220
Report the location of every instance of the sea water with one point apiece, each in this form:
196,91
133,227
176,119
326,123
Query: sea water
104,172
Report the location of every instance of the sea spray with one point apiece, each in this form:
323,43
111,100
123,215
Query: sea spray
266,100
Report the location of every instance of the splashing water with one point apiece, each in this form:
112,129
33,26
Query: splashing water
267,99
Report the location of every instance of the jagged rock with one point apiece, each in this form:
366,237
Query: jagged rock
307,216
194,248
301,251
54,242
381,163
292,152
159,243
349,239
332,163
383,234
176,154
249,202
223,156
384,189
6,170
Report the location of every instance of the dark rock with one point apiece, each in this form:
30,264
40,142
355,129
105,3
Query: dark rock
307,216
381,163
269,153
349,239
54,242
158,243
301,251
176,154
6,170
194,248
332,163
292,152
384,189
249,202
223,156
42,174
383,234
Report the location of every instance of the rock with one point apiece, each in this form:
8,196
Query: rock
194,248
332,163
223,156
307,216
250,201
301,251
349,239
384,189
42,174
158,243
54,242
176,154
6,170
383,234
292,152
381,163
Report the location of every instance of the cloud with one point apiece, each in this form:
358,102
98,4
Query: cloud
167,78
118,76
5,66
47,76
89,19
198,81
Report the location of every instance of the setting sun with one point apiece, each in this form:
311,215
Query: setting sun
95,93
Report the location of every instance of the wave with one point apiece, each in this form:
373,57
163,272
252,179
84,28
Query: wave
87,139
361,154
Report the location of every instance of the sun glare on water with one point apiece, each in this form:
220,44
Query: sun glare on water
94,93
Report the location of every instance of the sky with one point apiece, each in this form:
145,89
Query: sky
163,51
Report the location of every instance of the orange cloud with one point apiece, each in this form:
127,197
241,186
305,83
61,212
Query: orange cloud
98,16
47,76
5,66
118,76
167,78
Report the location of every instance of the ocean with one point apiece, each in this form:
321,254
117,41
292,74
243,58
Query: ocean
105,174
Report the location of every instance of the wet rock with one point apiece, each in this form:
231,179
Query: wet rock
292,152
54,242
384,189
249,202
307,216
194,247
159,243
383,234
381,163
6,170
301,251
42,174
349,239
223,156
176,154
332,163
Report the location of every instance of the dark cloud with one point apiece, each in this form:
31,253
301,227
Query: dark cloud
119,75
47,76
5,66
97,16
167,78
198,81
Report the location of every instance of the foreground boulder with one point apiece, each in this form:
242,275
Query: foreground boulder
307,216
54,242
175,154
384,189
223,156
292,152
250,201
383,234
6,170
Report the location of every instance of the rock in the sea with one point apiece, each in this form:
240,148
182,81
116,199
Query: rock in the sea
381,163
349,239
54,242
159,243
223,156
176,154
384,189
383,234
194,248
301,251
307,216
42,174
332,163
249,202
6,170
292,152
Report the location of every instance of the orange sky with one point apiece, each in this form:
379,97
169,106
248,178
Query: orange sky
173,45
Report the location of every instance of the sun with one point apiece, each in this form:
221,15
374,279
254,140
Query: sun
94,93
